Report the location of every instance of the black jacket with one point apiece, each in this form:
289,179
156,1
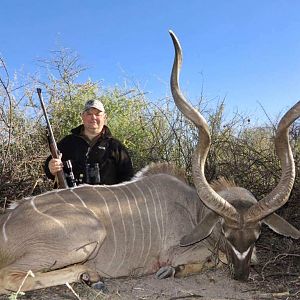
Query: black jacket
114,162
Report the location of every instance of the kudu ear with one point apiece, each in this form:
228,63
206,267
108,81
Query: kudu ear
202,230
281,226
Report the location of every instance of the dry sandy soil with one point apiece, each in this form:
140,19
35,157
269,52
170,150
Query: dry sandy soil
213,284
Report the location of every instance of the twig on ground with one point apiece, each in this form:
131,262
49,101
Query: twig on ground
14,296
72,290
281,274
279,256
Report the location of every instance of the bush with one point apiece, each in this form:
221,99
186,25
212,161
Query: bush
151,131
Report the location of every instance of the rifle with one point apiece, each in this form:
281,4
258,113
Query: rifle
61,178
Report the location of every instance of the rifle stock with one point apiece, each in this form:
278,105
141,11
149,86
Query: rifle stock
61,178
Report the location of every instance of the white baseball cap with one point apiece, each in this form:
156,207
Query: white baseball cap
93,104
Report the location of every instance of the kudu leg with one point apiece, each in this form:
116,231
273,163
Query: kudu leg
190,268
191,260
70,237
76,273
209,263
54,265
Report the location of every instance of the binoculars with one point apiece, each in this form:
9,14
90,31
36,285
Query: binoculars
92,173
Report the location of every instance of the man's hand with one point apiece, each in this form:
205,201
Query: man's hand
55,165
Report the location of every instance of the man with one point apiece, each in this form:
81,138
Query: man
96,157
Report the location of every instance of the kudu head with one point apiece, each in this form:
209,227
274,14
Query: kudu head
240,214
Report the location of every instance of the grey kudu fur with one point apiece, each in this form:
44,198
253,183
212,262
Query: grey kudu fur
155,223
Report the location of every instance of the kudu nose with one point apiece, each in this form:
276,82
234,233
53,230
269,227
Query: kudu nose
241,276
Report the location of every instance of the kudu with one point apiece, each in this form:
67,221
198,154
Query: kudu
154,223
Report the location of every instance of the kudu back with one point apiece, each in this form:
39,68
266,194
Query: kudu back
156,223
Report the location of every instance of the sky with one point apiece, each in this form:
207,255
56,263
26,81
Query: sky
246,51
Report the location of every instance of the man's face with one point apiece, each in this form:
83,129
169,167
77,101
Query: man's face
93,120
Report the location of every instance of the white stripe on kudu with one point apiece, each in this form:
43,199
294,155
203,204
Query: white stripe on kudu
150,223
133,222
78,197
151,188
47,216
123,224
113,230
142,242
4,228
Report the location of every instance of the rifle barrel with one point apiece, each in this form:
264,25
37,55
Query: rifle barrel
62,182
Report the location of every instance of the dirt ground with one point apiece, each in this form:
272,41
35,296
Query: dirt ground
212,285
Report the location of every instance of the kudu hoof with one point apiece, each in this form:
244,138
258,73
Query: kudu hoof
90,278
100,286
165,272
